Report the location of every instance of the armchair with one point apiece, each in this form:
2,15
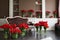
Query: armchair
57,26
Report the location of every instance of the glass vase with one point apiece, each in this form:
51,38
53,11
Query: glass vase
6,32
30,14
23,33
14,36
40,28
47,14
5,35
55,16
44,30
36,29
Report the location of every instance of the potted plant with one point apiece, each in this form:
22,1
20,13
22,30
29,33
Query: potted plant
36,26
30,12
23,27
39,14
47,13
55,13
14,32
23,12
44,24
6,28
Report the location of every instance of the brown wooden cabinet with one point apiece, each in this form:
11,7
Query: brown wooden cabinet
4,8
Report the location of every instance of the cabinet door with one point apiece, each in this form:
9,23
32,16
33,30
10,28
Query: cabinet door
4,8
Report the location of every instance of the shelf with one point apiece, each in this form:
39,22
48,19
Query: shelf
16,11
16,3
16,7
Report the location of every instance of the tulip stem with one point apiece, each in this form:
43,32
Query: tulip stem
37,29
44,29
40,28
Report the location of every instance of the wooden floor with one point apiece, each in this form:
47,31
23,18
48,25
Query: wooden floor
49,35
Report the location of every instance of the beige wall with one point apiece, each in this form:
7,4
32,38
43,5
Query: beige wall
27,4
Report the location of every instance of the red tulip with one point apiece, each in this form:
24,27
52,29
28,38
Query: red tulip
11,30
13,25
23,25
40,12
20,25
23,11
15,30
31,10
47,11
6,26
37,24
55,11
42,23
1,26
45,25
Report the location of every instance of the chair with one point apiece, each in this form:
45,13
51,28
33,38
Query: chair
57,26
16,20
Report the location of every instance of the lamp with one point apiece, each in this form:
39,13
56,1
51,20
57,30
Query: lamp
36,2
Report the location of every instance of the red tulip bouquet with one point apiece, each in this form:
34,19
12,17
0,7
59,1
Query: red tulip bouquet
55,14
23,27
14,32
6,28
45,26
47,13
39,14
30,12
42,23
36,26
23,12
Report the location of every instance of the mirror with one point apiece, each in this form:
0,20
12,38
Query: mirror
28,8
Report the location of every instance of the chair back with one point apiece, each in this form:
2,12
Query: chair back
16,20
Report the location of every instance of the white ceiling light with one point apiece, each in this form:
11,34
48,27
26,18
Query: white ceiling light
36,2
